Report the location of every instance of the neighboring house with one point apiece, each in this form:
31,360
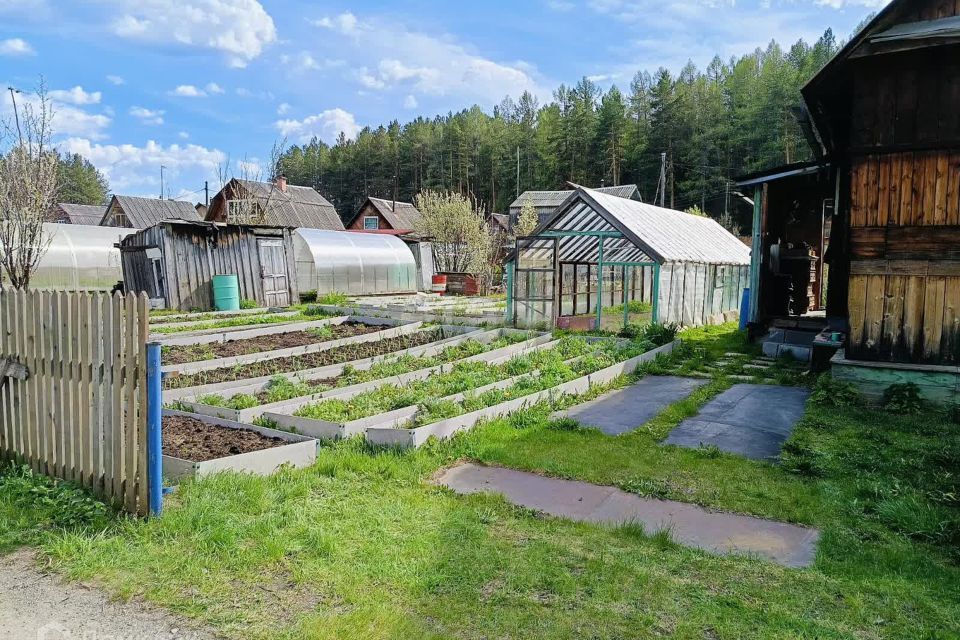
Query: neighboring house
274,203
201,210
379,214
498,223
546,202
140,213
68,213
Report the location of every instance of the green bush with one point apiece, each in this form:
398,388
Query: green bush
830,392
51,503
247,303
308,296
334,298
903,398
656,333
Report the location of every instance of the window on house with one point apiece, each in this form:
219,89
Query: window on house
371,222
243,211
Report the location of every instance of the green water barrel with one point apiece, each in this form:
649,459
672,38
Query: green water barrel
226,292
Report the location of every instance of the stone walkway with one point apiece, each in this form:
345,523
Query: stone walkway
38,606
690,525
626,409
751,420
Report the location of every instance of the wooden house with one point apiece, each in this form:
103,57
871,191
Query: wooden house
139,213
884,119
86,214
174,261
379,214
274,203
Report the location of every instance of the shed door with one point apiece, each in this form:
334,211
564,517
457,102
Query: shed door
273,272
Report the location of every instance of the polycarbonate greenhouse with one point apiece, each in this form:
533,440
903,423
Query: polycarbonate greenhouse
353,263
603,261
80,258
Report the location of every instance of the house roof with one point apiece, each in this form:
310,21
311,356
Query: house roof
146,212
399,215
777,173
294,206
649,232
90,214
553,199
500,219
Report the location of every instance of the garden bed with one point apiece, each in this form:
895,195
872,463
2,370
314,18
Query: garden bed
442,429
493,347
180,354
200,445
376,335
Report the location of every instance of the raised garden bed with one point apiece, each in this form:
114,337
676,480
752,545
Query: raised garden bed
364,376
235,324
417,436
386,329
180,354
196,446
336,355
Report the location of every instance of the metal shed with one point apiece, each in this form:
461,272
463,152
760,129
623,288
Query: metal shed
599,251
353,263
174,261
80,258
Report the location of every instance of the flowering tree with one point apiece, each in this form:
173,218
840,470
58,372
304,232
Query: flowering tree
527,220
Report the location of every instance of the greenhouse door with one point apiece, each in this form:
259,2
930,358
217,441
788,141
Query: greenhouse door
535,282
273,272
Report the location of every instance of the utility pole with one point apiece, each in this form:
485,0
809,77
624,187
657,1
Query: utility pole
16,114
206,193
161,181
518,171
662,188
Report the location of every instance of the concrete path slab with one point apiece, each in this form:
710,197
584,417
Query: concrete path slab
626,409
751,420
690,525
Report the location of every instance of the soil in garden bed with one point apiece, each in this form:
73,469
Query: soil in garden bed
190,439
196,352
288,364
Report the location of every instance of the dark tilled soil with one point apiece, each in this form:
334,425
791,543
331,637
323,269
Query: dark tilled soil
345,353
191,439
193,353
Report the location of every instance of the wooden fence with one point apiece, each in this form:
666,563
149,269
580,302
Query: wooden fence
73,391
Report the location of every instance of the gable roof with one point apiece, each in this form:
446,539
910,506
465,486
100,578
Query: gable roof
89,214
146,212
663,235
399,215
294,206
553,199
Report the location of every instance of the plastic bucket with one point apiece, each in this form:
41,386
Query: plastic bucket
439,283
226,292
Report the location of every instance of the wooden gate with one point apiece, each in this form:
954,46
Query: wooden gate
73,392
273,271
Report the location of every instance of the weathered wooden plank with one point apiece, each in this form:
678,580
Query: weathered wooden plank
933,304
912,331
953,189
130,393
883,190
950,338
100,311
894,179
892,314
873,189
906,124
116,398
84,397
856,304
143,315
940,199
873,319
906,189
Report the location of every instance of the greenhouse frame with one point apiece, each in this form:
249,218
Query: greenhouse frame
80,258
601,261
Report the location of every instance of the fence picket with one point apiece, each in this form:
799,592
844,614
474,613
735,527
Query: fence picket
117,398
143,317
130,435
84,336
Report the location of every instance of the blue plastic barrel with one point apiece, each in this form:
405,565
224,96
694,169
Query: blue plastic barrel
744,308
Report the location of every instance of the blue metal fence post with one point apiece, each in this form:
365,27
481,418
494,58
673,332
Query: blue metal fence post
154,420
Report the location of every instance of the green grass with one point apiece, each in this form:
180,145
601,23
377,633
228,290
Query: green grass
362,545
235,321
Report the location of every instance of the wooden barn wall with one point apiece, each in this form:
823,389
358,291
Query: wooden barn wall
192,258
691,293
137,268
904,285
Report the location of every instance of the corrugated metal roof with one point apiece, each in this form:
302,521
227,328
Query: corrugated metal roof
146,212
295,206
89,214
553,199
649,232
400,215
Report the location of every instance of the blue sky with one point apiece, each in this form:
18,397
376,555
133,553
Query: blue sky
194,83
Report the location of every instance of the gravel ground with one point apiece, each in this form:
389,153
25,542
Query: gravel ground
39,606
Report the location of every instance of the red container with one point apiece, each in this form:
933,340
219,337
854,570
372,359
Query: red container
439,283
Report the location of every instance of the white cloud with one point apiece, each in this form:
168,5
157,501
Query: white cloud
410,102
68,120
326,125
411,60
238,28
115,80
152,117
16,47
560,5
188,91
213,88
283,109
136,170
183,135
76,95
305,61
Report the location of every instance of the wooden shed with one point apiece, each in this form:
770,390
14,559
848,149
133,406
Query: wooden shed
174,261
884,119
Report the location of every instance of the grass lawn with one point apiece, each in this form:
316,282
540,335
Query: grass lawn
361,545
